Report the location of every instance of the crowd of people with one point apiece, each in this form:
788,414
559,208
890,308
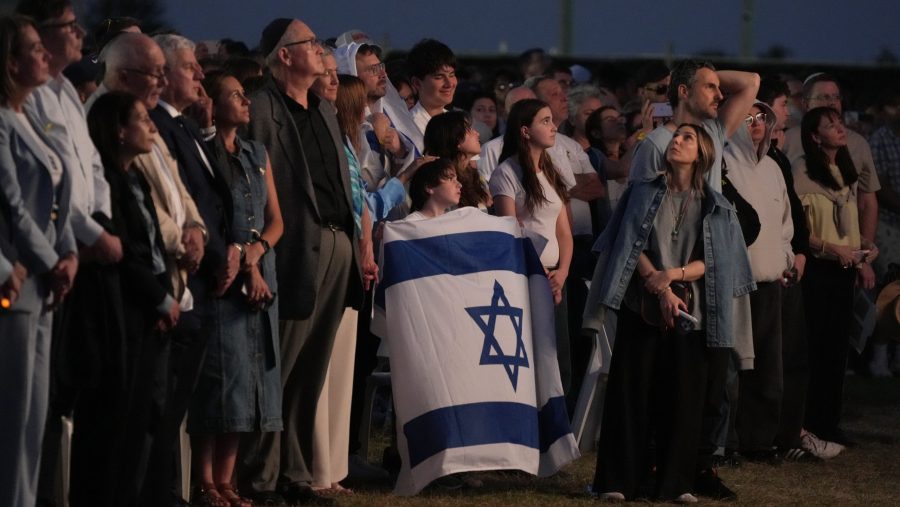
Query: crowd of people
188,239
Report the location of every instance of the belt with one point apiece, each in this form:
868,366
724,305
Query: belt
333,226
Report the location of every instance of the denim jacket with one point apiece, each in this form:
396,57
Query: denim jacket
625,237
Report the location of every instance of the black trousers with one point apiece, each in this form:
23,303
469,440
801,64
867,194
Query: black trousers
762,388
364,364
795,360
179,373
828,301
657,382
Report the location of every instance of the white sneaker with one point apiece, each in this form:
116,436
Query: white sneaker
612,497
686,498
820,448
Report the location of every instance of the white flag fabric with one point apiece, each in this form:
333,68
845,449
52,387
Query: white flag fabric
468,315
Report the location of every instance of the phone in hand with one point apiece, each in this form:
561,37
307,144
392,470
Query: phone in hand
661,110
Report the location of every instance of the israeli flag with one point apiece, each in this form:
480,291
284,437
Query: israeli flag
468,315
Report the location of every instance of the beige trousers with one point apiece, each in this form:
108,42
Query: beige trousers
331,430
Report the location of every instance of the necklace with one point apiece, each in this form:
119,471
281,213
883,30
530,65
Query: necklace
679,216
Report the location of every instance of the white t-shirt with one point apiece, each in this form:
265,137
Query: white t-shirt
507,181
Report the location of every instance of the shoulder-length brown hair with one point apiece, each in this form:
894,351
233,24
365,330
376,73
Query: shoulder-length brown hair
10,45
350,104
515,145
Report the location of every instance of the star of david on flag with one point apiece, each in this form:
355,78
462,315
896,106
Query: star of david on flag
492,352
466,311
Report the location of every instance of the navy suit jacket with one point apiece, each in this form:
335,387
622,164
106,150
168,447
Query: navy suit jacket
209,191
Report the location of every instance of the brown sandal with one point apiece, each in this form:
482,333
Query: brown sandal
232,497
206,495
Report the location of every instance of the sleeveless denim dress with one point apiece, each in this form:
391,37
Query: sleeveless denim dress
239,389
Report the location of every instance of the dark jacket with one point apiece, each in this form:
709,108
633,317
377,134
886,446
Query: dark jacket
209,191
298,250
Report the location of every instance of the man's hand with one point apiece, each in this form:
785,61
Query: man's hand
192,239
800,265
866,277
169,320
202,110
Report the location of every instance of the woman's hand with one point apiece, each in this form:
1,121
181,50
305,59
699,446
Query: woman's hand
557,279
253,252
657,282
843,253
258,292
669,304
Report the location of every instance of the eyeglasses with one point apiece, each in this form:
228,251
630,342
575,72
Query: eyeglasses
657,89
161,76
615,119
758,117
67,25
826,98
312,41
502,87
373,70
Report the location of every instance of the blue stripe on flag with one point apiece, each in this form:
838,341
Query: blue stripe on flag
456,254
553,421
470,424
485,423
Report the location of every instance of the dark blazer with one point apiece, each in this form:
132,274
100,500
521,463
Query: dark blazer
209,191
298,250
140,286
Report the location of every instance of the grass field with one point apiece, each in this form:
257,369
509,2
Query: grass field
865,475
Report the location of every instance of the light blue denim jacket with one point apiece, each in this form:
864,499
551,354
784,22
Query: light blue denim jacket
625,237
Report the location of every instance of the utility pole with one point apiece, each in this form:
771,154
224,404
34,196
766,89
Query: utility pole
747,15
565,29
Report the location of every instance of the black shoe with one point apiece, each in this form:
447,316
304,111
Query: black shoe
764,457
798,455
301,494
730,459
709,484
266,499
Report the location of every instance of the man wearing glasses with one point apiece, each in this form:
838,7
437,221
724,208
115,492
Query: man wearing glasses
822,90
318,261
388,149
135,64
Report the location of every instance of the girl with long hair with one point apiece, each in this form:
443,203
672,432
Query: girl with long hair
527,186
451,136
